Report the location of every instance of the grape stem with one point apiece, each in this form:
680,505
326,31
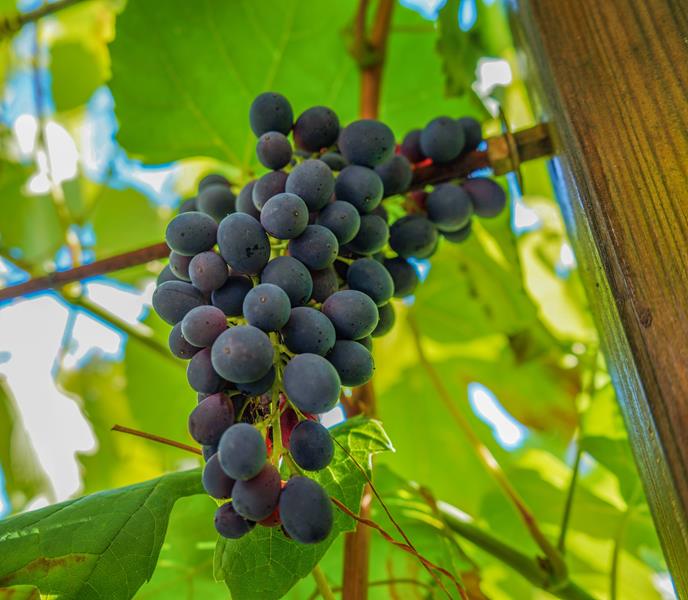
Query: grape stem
554,559
321,582
156,438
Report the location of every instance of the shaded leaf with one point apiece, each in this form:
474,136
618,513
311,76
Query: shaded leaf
100,546
265,564
20,592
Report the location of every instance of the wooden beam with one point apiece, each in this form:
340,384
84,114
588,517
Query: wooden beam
611,78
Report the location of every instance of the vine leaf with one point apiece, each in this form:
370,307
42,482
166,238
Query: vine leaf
100,546
20,592
265,564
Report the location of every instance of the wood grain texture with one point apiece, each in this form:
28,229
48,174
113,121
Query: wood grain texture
611,77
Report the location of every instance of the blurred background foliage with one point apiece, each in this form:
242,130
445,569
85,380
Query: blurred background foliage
110,114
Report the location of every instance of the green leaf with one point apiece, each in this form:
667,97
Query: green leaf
209,60
68,57
125,219
264,564
185,566
100,546
29,223
20,592
458,50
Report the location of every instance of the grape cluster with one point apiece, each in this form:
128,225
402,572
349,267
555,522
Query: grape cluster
275,294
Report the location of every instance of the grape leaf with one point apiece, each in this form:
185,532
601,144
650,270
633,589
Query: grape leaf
100,546
20,592
265,564
210,59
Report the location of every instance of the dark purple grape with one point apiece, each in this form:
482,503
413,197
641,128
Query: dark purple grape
313,182
179,265
267,186
472,131
201,375
189,205
396,175
273,150
403,275
216,201
270,112
267,307
410,147
242,451
316,247
211,418
353,314
230,297
311,383
243,243
262,385
334,160
292,276
242,354
370,277
305,510
208,452
342,219
316,128
212,179
190,233
208,271
166,275
256,498
308,330
202,325
413,236
311,446
229,524
488,197
215,481
178,344
366,142
173,299
372,235
284,216
325,283
456,237
244,201
386,321
353,362
442,139
449,207
359,186
366,342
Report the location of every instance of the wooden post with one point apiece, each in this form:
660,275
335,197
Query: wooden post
612,78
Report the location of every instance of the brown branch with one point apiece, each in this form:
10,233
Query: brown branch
531,143
373,59
9,25
402,546
156,438
98,267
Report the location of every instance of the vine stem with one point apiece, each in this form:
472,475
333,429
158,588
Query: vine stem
528,567
532,143
556,562
156,438
12,24
321,582
561,543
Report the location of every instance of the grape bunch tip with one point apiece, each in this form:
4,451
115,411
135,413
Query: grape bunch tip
275,295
